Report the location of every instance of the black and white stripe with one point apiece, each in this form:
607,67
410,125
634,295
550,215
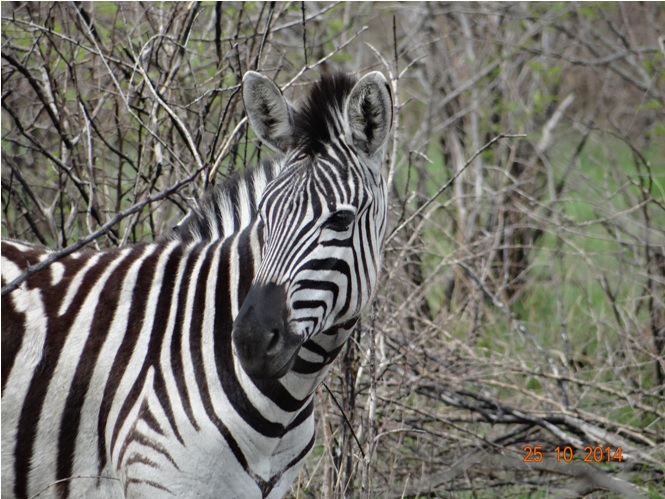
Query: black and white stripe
186,367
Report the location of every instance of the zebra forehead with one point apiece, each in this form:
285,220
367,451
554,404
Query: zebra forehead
314,185
318,119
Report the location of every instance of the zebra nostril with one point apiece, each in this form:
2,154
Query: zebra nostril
273,343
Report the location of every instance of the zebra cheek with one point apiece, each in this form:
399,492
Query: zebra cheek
264,344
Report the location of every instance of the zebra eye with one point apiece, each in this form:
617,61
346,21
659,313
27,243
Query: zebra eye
340,220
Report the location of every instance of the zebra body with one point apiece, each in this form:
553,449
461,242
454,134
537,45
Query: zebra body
187,367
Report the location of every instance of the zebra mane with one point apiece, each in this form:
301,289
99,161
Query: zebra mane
228,207
318,116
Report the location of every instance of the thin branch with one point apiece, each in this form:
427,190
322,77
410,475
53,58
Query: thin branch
346,419
56,255
445,186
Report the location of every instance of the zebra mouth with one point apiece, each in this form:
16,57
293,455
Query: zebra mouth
266,373
265,345
270,363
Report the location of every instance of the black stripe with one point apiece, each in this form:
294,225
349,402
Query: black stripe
216,219
196,324
222,347
315,348
58,329
303,366
151,483
176,354
157,338
140,438
137,315
157,334
124,353
336,264
329,286
266,487
367,252
99,328
13,330
14,322
150,420
302,416
245,265
344,325
234,198
310,304
279,395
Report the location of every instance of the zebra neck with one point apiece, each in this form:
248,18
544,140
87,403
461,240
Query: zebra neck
215,278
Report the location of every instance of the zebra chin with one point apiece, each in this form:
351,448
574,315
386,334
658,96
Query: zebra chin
264,344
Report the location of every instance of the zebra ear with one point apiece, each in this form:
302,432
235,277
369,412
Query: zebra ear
269,113
369,112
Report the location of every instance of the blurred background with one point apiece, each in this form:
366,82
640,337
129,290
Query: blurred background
516,347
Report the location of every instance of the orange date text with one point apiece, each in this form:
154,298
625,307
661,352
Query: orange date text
590,454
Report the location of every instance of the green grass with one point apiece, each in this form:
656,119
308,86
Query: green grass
567,269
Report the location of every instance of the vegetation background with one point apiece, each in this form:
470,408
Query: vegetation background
522,304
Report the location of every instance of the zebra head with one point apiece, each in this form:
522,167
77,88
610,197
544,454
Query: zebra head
323,218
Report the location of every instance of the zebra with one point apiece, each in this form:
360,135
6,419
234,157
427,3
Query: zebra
187,367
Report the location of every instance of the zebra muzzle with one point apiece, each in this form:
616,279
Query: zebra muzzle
264,344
